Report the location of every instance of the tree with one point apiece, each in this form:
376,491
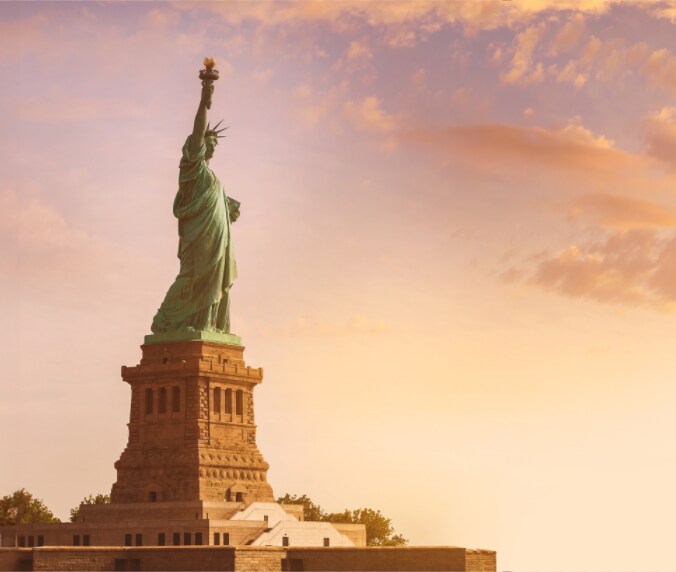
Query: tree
21,507
90,499
311,511
379,530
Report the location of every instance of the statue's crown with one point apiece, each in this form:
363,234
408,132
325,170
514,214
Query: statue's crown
214,131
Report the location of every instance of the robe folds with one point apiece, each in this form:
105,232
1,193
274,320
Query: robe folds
199,297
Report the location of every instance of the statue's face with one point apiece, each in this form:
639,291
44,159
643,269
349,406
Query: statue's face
211,141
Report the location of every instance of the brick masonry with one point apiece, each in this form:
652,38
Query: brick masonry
183,444
250,559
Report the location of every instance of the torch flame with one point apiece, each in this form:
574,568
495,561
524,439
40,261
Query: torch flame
209,62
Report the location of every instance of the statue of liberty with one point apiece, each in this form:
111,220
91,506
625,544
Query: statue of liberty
199,299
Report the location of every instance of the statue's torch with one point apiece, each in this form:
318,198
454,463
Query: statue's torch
208,75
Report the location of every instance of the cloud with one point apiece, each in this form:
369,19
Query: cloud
611,59
358,50
429,14
419,78
633,268
660,69
357,58
569,74
261,77
368,115
660,131
522,70
52,259
665,11
575,131
403,36
621,211
568,36
313,106
572,151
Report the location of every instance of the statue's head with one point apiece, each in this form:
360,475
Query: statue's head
210,141
211,137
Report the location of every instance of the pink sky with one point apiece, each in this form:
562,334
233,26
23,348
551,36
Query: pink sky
456,252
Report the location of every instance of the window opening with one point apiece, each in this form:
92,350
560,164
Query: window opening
239,403
149,401
162,400
176,399
228,401
217,399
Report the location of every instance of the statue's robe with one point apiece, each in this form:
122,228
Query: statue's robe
198,299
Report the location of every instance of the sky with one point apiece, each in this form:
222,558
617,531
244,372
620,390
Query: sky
456,254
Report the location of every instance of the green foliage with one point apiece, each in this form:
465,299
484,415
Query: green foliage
311,511
379,530
22,508
98,499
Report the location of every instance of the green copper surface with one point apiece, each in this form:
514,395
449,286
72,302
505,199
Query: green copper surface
199,299
187,335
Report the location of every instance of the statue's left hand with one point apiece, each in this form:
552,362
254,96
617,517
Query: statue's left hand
234,215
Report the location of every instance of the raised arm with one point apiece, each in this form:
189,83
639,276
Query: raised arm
200,127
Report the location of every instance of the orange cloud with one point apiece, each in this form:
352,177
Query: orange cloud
313,106
522,70
568,36
621,211
357,57
660,68
368,115
610,59
474,15
634,268
569,74
661,135
573,151
358,50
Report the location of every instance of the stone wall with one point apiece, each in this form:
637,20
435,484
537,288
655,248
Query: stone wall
248,559
167,558
258,559
11,558
481,560
377,558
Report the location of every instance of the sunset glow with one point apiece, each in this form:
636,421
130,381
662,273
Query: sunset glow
456,254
